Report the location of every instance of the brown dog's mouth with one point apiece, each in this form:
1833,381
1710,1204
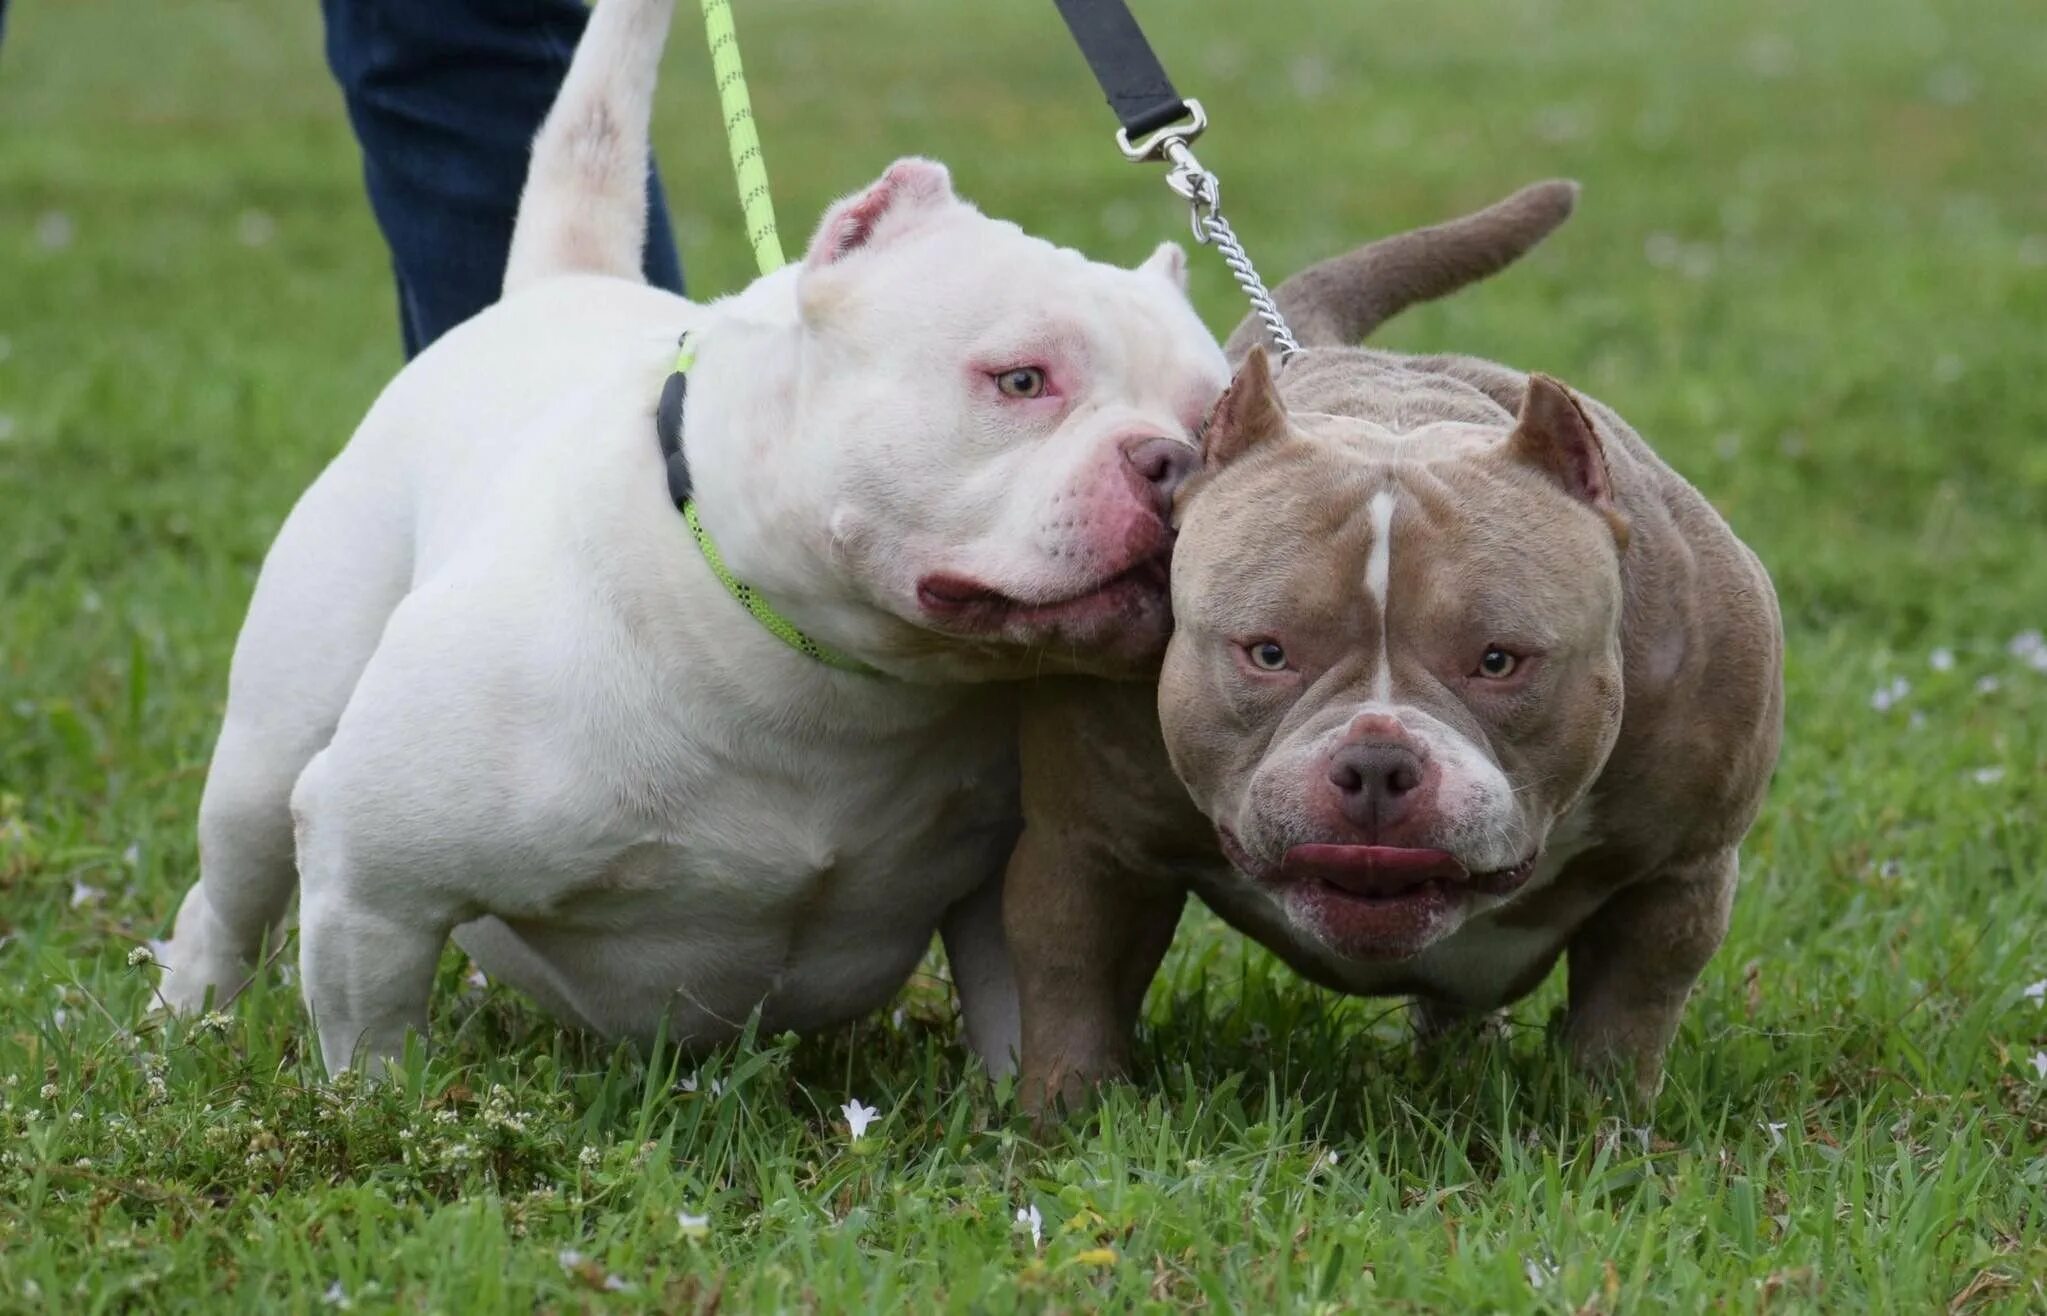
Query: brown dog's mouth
964,603
1375,901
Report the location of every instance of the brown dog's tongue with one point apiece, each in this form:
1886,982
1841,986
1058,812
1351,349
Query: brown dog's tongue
1371,870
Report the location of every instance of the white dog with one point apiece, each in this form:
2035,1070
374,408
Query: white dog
490,682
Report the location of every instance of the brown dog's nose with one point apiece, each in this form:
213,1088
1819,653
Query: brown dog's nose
1161,466
1376,781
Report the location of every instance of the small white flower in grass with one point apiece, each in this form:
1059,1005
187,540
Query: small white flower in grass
2036,992
337,1297
1988,685
132,856
2039,1064
49,1092
84,893
686,1084
858,1117
588,1157
1776,1132
140,956
693,1226
2025,644
1941,660
569,1258
1539,1273
1028,1218
1987,776
617,1284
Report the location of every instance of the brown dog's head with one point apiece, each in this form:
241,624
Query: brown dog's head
1397,660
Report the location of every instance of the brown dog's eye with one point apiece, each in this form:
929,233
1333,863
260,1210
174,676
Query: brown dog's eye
1496,664
1021,382
1266,656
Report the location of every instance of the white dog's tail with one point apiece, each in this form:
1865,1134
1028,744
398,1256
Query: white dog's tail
584,210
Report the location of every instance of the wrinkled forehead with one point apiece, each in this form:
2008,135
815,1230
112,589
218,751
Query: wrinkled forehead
1347,518
1443,443
992,289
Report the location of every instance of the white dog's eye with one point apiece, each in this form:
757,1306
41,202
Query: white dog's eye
1266,656
1021,382
1497,664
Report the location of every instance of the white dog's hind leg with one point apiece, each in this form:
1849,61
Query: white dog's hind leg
338,568
584,210
246,872
368,944
368,976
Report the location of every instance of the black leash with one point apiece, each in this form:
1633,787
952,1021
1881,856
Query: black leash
1162,125
1131,76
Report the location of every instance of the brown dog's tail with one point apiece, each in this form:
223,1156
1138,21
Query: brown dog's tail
1340,301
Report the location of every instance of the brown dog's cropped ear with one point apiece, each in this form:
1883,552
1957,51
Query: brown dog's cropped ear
910,189
1554,435
1248,413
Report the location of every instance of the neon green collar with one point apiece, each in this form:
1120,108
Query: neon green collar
773,622
752,176
668,427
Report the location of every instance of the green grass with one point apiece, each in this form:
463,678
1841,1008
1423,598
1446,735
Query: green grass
1811,266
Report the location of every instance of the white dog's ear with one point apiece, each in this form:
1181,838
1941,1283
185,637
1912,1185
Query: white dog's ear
1555,436
1248,413
908,191
1169,262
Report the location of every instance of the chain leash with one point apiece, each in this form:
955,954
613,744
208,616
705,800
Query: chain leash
1202,191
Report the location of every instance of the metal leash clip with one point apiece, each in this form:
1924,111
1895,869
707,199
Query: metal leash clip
1203,193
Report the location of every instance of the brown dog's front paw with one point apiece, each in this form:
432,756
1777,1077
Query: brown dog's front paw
1439,1023
1623,1057
1055,1093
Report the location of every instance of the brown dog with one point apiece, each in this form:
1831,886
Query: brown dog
1464,679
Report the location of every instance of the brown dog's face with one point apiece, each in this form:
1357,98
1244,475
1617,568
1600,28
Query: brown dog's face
1397,658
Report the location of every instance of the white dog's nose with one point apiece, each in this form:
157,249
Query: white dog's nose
1162,466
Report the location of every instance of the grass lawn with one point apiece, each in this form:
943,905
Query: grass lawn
1810,266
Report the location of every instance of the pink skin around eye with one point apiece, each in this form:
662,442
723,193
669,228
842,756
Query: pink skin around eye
1049,398
988,373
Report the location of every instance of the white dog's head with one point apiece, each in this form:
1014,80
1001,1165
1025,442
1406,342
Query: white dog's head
962,459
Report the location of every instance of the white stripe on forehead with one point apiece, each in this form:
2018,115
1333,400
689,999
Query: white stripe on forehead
1378,575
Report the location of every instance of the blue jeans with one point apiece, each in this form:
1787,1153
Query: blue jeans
445,96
